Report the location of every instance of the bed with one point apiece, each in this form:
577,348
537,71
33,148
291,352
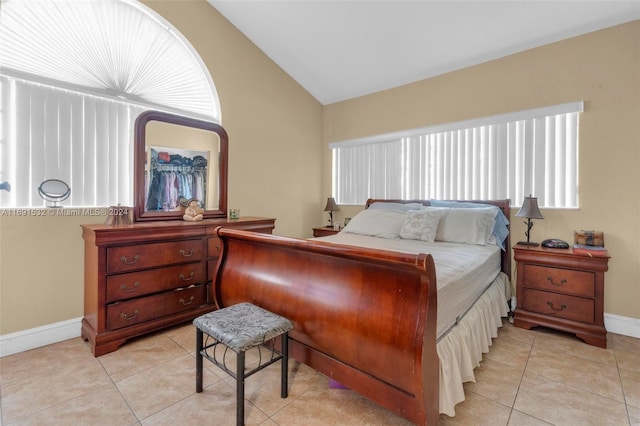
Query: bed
367,314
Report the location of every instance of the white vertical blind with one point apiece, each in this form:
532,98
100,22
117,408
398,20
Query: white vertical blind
80,139
511,156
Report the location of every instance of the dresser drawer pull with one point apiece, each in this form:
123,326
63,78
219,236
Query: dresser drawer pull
126,261
185,254
125,316
560,309
184,302
126,289
183,278
562,281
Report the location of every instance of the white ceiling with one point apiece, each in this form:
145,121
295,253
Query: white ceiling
339,50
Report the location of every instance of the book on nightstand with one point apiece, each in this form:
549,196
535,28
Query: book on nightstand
592,251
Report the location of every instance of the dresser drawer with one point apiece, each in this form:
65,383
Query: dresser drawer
568,281
123,314
214,246
559,305
136,284
141,256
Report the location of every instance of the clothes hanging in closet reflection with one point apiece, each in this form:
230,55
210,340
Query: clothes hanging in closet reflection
168,186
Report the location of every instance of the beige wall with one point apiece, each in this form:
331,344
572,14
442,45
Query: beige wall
274,125
275,148
280,162
601,68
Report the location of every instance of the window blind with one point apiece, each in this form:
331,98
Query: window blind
507,156
70,92
51,133
116,48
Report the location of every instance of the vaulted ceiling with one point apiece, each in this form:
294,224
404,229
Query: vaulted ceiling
339,50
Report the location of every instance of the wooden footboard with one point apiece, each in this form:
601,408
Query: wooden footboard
364,317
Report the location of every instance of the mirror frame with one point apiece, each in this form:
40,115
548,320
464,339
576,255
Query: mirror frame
139,155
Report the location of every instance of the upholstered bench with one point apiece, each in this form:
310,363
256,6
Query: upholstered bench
241,327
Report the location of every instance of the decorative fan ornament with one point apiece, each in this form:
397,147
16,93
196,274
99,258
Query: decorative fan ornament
117,48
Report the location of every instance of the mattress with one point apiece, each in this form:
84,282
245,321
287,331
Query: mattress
463,271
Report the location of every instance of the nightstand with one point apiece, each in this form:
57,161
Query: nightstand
324,231
562,290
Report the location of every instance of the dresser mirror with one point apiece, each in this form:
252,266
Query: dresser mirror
178,159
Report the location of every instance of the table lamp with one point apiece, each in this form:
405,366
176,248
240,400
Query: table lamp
331,207
529,210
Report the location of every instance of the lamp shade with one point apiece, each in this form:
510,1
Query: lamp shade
530,209
331,205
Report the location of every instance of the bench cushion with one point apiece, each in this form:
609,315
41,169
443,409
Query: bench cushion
243,326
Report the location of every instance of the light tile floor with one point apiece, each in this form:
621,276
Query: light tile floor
537,377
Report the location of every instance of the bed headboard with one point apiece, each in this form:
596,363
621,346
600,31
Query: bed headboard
503,205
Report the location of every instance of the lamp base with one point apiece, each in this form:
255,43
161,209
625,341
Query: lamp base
527,243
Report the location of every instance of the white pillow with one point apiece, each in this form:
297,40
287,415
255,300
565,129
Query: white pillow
422,224
467,226
377,222
396,206
500,229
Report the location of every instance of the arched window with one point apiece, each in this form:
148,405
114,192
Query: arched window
74,75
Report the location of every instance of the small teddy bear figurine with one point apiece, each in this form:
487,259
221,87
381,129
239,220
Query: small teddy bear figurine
193,212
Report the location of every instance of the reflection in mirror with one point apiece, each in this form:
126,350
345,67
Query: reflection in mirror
178,159
179,169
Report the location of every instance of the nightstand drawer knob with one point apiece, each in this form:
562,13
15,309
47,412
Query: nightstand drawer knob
562,281
560,309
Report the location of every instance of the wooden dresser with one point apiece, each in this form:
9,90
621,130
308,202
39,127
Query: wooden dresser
145,276
562,290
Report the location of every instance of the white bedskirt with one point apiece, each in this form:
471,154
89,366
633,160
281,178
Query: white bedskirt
460,351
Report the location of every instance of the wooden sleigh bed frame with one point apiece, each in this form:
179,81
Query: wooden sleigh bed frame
364,317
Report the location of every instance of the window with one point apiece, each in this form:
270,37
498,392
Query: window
506,156
72,87
78,138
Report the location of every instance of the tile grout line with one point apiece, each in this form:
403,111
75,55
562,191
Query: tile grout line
118,390
524,370
624,394
587,390
626,405
59,403
284,406
139,420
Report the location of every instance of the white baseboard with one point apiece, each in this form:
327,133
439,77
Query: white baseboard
618,324
21,341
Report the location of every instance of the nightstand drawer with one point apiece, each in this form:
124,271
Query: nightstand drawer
559,305
568,281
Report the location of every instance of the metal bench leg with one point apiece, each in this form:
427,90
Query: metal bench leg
199,336
240,389
284,380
